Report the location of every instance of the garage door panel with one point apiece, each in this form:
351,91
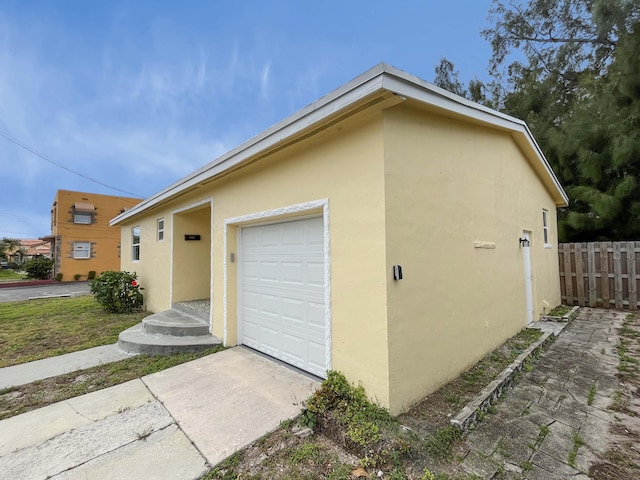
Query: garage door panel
315,235
283,292
294,273
293,310
315,275
315,315
316,355
292,348
292,236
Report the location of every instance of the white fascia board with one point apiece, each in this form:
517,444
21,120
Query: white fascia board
348,94
380,78
409,86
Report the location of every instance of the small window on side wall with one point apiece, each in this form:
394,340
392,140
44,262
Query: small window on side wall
160,229
81,250
135,244
82,218
545,227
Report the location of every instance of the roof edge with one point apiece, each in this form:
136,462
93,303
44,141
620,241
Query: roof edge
380,78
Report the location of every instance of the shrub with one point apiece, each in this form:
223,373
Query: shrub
352,408
77,276
91,275
58,277
39,267
117,292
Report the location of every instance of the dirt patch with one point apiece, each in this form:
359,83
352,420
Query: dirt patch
435,411
607,471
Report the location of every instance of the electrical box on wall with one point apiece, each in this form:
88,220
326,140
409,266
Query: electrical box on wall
397,272
188,237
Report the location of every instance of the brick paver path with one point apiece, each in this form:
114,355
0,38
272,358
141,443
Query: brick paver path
555,422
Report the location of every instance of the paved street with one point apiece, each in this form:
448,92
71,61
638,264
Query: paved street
14,294
556,422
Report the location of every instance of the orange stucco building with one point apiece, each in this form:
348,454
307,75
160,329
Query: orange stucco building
82,240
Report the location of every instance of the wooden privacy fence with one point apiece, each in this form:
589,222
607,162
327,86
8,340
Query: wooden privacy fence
600,274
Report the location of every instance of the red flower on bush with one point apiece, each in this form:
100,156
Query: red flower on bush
134,283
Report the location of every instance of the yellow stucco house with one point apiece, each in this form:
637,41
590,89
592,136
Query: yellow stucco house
390,230
82,239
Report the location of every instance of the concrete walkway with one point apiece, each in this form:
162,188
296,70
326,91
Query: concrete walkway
54,366
172,424
555,423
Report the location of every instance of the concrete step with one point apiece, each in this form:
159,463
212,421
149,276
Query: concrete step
136,340
196,308
174,323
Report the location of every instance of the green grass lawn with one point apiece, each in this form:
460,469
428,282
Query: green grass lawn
37,329
10,276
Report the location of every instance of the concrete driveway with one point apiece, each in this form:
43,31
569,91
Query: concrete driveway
15,294
173,424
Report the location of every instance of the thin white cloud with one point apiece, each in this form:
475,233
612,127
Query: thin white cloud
264,81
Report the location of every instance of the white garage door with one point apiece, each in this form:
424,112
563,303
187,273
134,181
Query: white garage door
282,292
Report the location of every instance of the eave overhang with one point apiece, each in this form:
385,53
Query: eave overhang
381,87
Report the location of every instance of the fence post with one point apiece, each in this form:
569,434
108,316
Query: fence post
604,273
631,276
591,269
617,275
568,274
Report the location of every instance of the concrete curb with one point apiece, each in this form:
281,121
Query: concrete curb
467,418
564,318
26,283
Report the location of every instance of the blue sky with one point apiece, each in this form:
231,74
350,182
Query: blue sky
137,94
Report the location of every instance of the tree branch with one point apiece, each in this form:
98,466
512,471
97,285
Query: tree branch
592,41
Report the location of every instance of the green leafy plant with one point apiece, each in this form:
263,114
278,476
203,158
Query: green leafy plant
577,443
77,276
427,475
91,275
592,394
39,267
351,407
440,444
58,277
117,292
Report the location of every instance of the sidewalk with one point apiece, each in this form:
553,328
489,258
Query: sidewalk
173,424
54,366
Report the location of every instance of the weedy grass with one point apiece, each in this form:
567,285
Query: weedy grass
560,310
21,399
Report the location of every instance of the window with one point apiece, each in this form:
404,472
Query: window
82,212
81,250
545,227
82,217
135,243
160,229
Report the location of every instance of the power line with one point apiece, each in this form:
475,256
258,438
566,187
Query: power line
44,157
18,233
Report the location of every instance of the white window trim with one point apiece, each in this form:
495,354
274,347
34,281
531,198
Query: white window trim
77,215
88,257
134,245
160,231
545,228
